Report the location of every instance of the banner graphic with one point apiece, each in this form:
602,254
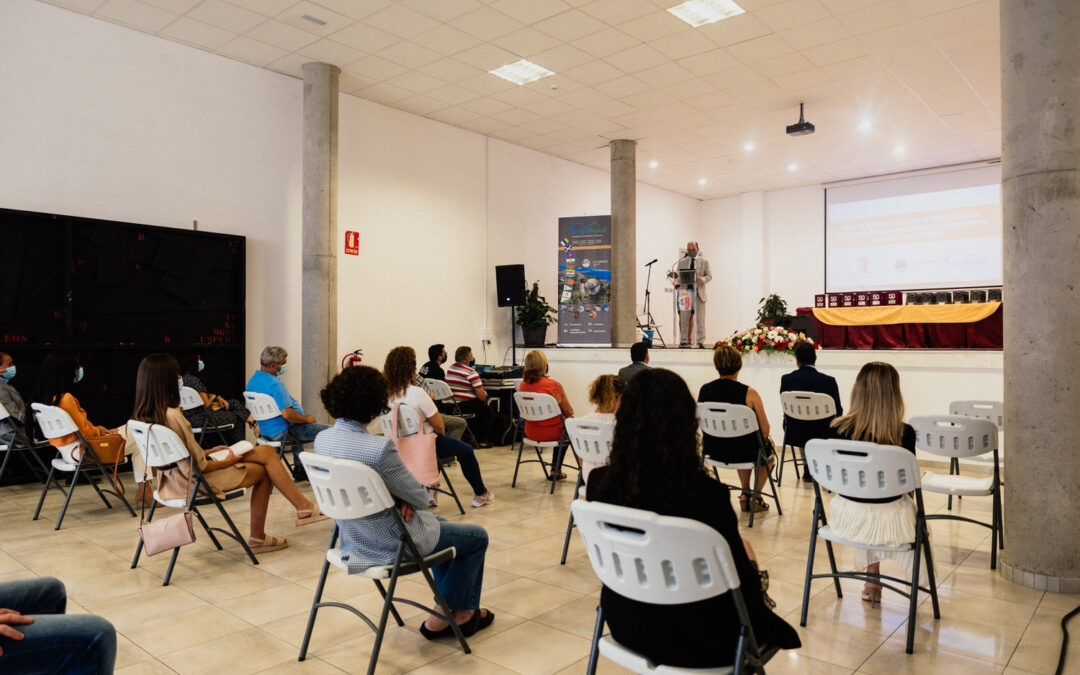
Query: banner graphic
585,281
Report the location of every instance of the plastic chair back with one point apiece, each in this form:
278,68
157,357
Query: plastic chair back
661,560
726,420
591,438
534,407
261,406
860,469
955,435
409,422
344,488
54,421
988,410
808,406
4,414
438,390
190,399
158,444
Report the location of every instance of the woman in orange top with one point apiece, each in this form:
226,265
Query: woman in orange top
536,381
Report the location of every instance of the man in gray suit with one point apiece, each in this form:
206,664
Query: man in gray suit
639,355
696,315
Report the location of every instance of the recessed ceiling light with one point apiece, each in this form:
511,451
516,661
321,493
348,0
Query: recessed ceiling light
749,147
899,149
522,72
653,164
793,167
866,125
701,181
702,12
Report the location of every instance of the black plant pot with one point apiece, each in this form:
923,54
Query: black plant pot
534,336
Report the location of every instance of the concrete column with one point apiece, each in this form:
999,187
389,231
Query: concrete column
320,241
1040,66
624,242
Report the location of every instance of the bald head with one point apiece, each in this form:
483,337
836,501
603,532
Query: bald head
691,248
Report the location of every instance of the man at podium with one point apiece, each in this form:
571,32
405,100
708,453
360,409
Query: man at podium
690,295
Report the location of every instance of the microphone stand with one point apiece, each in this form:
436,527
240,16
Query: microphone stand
650,323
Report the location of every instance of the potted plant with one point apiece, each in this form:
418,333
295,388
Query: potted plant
772,308
534,317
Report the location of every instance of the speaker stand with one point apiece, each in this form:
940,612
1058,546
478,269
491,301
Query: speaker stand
513,338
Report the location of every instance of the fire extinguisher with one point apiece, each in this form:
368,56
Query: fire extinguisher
352,359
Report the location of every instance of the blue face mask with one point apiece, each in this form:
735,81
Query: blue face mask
8,374
201,366
79,374
282,371
180,385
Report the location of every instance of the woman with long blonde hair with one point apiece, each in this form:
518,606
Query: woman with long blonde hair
876,415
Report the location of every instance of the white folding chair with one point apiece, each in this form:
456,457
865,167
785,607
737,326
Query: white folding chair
18,442
987,410
352,491
727,420
956,437
162,448
263,407
409,424
804,406
190,400
440,392
539,408
662,560
592,439
868,471
76,458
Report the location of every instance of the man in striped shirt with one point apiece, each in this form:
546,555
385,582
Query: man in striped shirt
469,393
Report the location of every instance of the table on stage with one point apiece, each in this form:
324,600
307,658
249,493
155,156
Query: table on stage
960,326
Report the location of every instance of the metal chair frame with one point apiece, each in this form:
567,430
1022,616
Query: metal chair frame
190,400
805,406
535,407
410,423
18,442
440,392
592,439
987,410
728,420
260,411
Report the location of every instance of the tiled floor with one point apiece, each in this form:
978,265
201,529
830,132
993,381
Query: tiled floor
223,615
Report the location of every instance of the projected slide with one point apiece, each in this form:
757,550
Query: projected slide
930,238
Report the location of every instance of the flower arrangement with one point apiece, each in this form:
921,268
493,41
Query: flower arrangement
767,338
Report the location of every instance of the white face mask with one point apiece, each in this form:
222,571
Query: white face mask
201,366
79,374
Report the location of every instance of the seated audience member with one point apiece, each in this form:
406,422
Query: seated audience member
355,397
535,380
10,398
36,636
807,378
267,380
216,410
639,361
655,466
604,393
157,401
400,371
470,395
877,416
432,370
728,389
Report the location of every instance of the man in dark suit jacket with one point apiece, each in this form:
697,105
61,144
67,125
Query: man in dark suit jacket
639,357
807,378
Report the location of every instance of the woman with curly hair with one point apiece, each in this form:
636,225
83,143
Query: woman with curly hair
400,373
355,397
655,466
604,393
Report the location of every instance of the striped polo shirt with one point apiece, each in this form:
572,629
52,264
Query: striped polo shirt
462,381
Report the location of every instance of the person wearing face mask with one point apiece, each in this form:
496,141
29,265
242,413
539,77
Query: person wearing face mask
267,380
469,393
9,397
216,410
694,319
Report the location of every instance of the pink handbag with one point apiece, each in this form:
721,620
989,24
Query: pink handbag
171,532
417,452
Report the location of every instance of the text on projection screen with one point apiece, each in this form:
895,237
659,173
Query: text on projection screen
947,238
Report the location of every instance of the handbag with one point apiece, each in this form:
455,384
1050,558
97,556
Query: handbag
417,452
110,450
167,533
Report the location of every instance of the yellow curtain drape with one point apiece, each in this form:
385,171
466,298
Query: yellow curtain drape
870,316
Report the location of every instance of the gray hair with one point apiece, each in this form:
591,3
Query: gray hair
272,355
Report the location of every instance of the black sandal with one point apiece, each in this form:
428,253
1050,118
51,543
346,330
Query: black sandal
477,623
435,634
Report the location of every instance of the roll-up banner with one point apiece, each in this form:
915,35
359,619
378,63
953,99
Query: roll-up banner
585,281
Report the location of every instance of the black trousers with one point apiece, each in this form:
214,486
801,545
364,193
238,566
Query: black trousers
481,423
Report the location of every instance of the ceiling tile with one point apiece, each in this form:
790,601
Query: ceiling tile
486,105
637,58
526,42
350,82
225,16
664,75
326,21
952,101
401,21
364,37
451,70
264,7
623,86
486,24
709,63
530,11
930,7
759,49
384,93
787,64
655,26
835,52
174,6
792,13
735,29
197,33
442,10
487,57
452,94
278,34
82,6
416,81
486,84
376,68
446,40
520,97
684,44
136,14
409,54
329,51
252,51
570,26
689,89
594,73
617,11
516,116
290,64
814,34
562,58
419,105
605,42
454,116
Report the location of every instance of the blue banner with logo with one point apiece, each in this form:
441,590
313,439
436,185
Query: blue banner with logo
585,281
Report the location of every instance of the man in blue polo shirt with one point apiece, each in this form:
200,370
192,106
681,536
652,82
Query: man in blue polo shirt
267,380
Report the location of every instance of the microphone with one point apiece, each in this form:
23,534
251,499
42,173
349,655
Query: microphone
651,262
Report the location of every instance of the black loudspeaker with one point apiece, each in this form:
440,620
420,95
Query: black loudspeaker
510,285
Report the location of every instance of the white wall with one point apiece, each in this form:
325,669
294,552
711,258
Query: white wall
106,122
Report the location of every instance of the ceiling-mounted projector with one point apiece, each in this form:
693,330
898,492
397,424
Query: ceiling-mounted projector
802,127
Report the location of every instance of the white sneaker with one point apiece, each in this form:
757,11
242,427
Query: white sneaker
483,500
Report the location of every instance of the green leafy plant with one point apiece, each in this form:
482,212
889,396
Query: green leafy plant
771,307
536,311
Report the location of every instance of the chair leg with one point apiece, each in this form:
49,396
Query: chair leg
1000,520
206,526
447,613
594,652
954,469
795,462
931,575
780,467
451,490
570,521
556,465
914,599
314,610
70,491
45,490
139,546
809,567
775,496
236,533
754,494
517,465
387,602
393,610
172,564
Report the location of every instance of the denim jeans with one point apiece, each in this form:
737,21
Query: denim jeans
55,642
460,579
304,432
451,447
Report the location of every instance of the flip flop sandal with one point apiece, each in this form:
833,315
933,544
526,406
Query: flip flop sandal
477,623
435,634
271,543
314,517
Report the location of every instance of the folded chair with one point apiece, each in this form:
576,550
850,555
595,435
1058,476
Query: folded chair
868,471
805,406
350,490
162,448
592,440
662,560
727,420
76,458
957,437
17,441
190,400
263,407
987,410
440,391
